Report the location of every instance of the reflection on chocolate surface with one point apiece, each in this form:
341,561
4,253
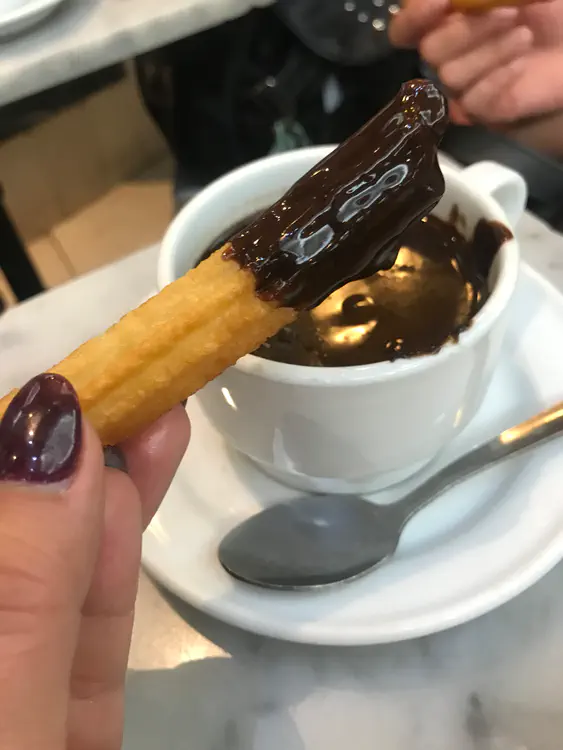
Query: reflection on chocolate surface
342,220
432,292
438,283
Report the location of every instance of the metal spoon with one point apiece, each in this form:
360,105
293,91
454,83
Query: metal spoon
319,540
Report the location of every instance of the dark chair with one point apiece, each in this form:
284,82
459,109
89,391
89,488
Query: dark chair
14,261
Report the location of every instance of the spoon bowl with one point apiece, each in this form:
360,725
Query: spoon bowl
321,540
312,541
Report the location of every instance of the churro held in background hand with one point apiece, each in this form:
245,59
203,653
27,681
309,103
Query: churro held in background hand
483,5
502,66
342,220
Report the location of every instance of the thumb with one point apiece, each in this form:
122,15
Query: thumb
51,510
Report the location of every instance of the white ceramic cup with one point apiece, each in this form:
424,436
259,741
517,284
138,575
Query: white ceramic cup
358,428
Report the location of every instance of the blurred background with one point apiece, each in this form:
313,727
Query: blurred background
94,167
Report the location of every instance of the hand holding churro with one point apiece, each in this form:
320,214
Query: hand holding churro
501,61
341,221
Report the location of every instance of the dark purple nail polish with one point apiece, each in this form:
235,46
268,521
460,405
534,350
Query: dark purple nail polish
41,432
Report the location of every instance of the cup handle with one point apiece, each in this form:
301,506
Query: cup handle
505,186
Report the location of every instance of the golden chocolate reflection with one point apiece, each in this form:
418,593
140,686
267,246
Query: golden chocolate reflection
425,299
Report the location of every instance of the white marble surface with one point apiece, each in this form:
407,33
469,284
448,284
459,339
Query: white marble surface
86,35
493,684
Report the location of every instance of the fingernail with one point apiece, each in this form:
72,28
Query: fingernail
41,432
114,458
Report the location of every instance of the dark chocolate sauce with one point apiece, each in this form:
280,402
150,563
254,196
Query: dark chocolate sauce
344,218
437,284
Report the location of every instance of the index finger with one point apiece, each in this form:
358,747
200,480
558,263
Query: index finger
416,19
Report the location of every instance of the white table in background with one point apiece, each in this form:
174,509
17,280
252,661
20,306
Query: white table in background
87,35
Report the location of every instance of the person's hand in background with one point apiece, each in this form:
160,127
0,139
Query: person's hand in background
499,67
70,541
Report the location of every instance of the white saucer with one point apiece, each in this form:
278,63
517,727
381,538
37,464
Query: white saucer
475,548
18,16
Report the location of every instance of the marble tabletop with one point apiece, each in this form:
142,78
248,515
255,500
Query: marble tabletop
86,35
492,684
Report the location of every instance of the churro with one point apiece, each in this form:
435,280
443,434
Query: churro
168,348
342,220
480,6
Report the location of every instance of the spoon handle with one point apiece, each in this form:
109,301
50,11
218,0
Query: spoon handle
544,426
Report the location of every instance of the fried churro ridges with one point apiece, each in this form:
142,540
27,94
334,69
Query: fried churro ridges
168,348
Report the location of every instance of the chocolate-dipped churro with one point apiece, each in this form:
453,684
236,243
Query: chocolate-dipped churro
342,220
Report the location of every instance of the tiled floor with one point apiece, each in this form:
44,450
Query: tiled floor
132,215
5,291
69,192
